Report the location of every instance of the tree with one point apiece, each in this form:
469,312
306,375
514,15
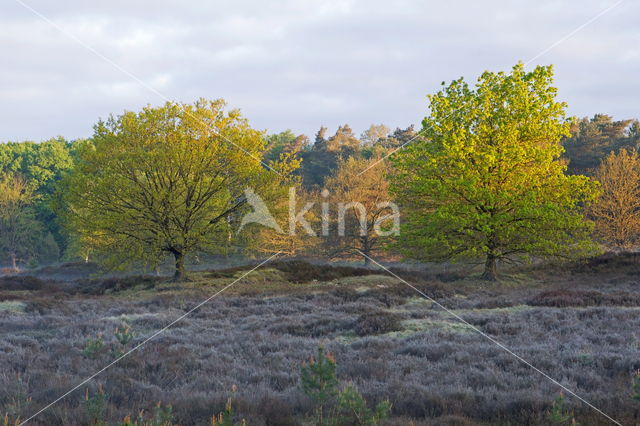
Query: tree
592,139
21,236
41,166
374,133
317,161
617,209
165,180
486,180
365,216
287,238
344,141
279,143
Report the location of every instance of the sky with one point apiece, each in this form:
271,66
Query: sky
297,64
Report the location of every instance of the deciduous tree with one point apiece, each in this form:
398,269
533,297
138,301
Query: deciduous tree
617,209
21,235
165,180
361,218
487,181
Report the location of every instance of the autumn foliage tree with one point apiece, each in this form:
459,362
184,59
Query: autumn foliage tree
363,220
617,209
486,181
164,181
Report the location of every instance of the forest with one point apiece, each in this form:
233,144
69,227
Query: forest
54,209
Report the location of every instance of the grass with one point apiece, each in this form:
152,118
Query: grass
12,306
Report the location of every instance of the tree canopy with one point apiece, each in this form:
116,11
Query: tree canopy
487,181
617,209
167,180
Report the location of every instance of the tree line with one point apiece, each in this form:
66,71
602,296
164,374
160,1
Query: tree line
498,172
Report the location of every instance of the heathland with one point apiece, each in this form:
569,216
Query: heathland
423,353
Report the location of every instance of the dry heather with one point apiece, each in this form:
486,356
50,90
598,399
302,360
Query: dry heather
578,327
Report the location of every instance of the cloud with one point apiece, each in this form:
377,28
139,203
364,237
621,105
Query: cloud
299,65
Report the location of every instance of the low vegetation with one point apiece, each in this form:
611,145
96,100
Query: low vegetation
251,354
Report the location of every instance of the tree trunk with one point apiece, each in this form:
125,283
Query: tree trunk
366,249
490,272
180,273
14,264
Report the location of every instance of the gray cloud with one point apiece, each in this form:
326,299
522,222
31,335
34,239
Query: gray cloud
299,64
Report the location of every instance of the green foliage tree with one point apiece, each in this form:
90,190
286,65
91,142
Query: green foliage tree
41,165
317,161
334,407
635,386
559,415
280,143
591,139
487,181
319,381
353,409
398,138
22,237
320,160
164,181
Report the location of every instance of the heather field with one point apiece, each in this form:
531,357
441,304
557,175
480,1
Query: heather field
578,323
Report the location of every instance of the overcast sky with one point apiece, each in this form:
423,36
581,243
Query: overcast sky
299,64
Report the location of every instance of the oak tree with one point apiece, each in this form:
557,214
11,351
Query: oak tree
165,180
486,180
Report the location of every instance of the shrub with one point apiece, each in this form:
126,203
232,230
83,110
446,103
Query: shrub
373,323
123,334
559,415
635,386
7,421
352,409
20,402
563,298
96,406
298,271
319,381
334,408
93,347
115,284
226,418
27,283
161,416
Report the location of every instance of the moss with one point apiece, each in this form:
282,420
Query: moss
12,306
261,275
419,301
506,310
413,326
367,281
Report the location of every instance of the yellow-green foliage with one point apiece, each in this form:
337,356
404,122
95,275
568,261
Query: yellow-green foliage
487,180
163,181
